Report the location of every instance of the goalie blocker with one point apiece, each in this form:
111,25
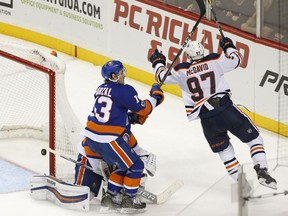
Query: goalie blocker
67,195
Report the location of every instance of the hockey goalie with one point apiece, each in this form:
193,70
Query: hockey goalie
92,174
88,183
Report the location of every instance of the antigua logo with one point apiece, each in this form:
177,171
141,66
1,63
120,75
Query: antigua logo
6,3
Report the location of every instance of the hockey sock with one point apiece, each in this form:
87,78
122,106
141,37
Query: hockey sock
133,177
230,161
115,182
232,168
257,152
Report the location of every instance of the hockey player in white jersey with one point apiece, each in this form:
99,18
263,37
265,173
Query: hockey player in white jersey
206,95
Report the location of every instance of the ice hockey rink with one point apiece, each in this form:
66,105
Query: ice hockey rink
182,154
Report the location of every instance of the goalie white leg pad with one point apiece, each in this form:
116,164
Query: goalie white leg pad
67,195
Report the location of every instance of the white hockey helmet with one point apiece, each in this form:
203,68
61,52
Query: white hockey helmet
194,50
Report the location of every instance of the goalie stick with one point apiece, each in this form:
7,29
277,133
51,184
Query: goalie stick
163,196
154,198
202,12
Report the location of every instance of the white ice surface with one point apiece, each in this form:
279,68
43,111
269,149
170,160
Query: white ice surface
181,149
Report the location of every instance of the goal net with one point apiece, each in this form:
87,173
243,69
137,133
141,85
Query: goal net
34,103
260,199
282,154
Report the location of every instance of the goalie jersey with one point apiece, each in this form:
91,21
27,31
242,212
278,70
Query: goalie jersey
201,80
108,118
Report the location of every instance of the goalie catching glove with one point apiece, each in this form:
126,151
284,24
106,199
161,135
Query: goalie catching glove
150,163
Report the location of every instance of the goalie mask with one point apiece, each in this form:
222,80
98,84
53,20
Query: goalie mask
194,50
111,67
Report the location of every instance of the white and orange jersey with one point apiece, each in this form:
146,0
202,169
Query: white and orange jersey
201,80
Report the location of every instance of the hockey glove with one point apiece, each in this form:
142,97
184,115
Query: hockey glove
225,43
135,118
156,58
157,93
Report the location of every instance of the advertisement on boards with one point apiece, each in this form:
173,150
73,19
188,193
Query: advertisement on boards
79,22
131,30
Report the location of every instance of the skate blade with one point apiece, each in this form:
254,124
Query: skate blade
272,185
108,210
131,211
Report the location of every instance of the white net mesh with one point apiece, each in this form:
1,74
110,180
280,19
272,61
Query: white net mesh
25,104
282,155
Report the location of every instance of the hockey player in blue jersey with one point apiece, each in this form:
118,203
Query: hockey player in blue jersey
101,171
105,135
206,95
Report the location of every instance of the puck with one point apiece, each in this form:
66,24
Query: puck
43,151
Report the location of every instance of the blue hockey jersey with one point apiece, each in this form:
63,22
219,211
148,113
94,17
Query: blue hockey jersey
108,118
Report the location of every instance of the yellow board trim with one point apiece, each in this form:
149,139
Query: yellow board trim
267,123
133,72
37,38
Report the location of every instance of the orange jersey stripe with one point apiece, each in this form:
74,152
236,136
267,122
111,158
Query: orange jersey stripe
104,128
199,102
147,110
132,141
189,110
90,153
118,150
81,171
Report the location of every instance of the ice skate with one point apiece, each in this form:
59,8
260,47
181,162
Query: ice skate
110,204
132,205
264,178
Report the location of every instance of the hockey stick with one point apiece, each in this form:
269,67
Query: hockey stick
163,196
202,12
74,161
215,18
156,199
